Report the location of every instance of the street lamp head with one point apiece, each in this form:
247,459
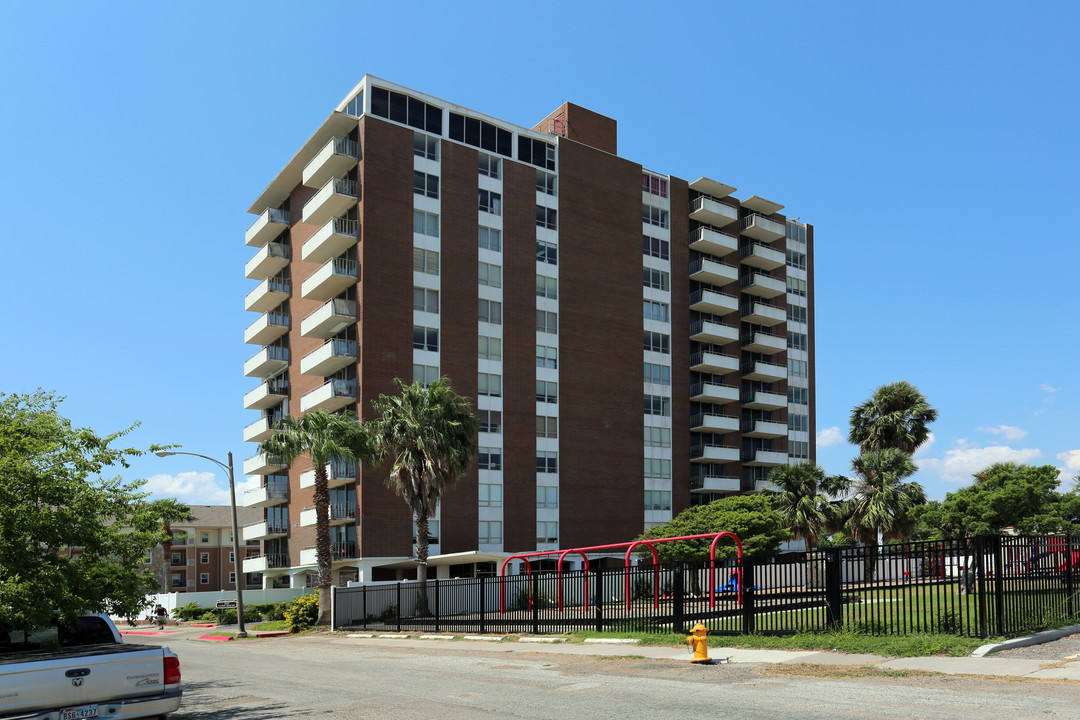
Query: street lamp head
163,453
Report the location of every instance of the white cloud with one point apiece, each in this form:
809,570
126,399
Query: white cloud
1048,401
1009,432
830,437
1071,460
1048,388
924,449
194,488
967,458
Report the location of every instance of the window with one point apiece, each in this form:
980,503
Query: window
547,391
796,259
490,532
490,239
657,279
489,384
547,321
547,533
660,374
657,405
547,253
490,495
480,134
547,498
489,348
425,338
798,395
796,313
425,300
656,311
798,422
547,357
490,275
655,247
547,427
425,223
546,217
489,165
489,458
232,557
795,286
406,110
657,499
653,184
547,287
536,152
657,437
425,146
204,578
796,231
425,374
657,468
657,342
798,368
204,537
654,216
490,421
204,558
547,461
356,105
799,450
489,311
177,580
425,184
545,182
796,340
490,202
426,261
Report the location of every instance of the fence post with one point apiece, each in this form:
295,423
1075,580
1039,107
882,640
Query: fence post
398,613
483,599
999,587
980,580
834,596
363,603
535,590
747,580
598,602
678,621
436,604
1070,606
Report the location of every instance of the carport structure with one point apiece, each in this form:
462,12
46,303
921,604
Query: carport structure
630,547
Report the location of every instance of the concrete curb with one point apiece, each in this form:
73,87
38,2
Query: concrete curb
611,641
1036,639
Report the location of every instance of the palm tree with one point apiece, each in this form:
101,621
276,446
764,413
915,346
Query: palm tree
881,503
803,500
324,437
430,433
895,416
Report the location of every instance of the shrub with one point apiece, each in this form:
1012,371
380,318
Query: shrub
227,617
302,613
208,616
389,613
642,588
274,611
521,600
191,611
252,613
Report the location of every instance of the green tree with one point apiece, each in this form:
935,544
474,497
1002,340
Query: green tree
71,541
324,437
895,416
804,500
752,518
430,434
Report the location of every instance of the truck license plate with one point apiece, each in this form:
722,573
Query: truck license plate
82,711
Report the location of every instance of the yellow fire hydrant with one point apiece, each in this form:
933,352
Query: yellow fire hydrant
699,642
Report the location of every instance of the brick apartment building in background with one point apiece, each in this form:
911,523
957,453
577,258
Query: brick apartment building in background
633,342
199,557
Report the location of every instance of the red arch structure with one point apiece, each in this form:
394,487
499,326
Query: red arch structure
630,546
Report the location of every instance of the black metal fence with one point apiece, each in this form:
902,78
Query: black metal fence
995,585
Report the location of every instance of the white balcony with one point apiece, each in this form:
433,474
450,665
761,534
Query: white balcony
336,158
335,237
765,457
708,186
261,429
266,395
330,396
707,331
338,515
715,484
713,242
713,392
763,285
713,272
266,227
268,294
712,212
269,260
713,302
339,552
263,464
765,428
329,357
263,531
761,400
761,206
331,279
766,372
759,313
762,342
705,422
332,200
337,474
268,361
263,563
762,228
714,363
267,495
714,453
267,328
762,256
329,319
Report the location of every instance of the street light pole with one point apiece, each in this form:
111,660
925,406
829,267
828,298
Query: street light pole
237,561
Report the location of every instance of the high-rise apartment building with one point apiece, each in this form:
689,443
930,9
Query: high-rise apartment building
617,380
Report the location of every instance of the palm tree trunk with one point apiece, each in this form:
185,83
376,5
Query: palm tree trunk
870,540
323,554
421,563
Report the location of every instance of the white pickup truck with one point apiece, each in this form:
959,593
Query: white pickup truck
56,673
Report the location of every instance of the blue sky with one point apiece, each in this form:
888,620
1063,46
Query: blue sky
931,144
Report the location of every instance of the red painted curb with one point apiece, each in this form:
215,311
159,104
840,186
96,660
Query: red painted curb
273,633
215,637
